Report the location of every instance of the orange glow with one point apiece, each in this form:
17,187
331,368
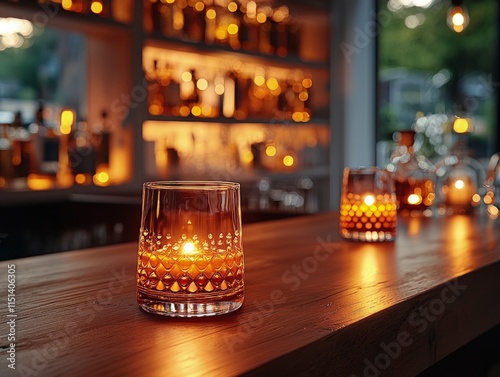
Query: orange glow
261,18
221,32
458,19
369,200
196,111
271,150
184,111
219,89
96,7
202,84
272,83
462,125
80,179
186,76
307,83
211,14
39,182
189,249
67,4
414,199
101,179
288,160
232,29
493,211
259,80
303,96
298,116
247,157
199,6
459,184
67,119
232,7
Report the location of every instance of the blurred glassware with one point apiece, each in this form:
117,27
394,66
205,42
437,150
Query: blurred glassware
459,182
368,206
492,185
414,177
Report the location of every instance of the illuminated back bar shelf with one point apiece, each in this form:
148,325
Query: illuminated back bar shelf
203,108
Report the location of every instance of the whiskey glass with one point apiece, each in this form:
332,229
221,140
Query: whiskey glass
368,205
190,258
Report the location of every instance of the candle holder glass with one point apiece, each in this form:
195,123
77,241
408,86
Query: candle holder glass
459,183
368,206
492,185
413,176
190,258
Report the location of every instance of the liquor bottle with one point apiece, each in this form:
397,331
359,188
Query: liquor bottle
189,93
21,143
249,28
210,23
6,167
264,30
281,19
230,90
166,18
234,20
194,21
156,101
50,144
154,9
101,139
414,177
294,37
82,154
170,90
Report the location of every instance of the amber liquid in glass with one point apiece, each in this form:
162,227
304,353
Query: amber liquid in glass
375,222
190,270
415,197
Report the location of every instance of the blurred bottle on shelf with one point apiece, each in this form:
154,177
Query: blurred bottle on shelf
6,166
194,19
492,185
21,146
102,140
249,25
82,154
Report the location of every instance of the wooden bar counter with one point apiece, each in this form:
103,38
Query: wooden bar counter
314,305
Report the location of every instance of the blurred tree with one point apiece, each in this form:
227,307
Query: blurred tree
418,39
23,64
432,45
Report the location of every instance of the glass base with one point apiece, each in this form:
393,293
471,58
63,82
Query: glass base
368,236
189,305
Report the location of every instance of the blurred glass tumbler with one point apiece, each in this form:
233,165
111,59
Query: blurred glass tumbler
190,259
368,207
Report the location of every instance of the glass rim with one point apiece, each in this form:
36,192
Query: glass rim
191,185
363,169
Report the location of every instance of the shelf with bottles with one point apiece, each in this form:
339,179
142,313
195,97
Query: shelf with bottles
109,13
193,150
265,29
226,88
52,154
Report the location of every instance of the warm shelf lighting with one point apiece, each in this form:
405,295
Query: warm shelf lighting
96,7
458,17
67,120
463,125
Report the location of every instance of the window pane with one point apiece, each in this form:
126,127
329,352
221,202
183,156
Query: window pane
429,73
